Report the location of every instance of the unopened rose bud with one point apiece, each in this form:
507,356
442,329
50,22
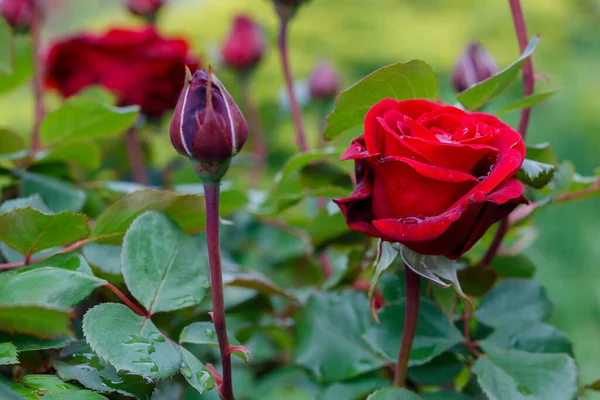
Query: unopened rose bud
17,13
324,82
145,8
207,125
473,66
287,8
245,45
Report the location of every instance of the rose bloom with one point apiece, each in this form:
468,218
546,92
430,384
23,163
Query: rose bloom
431,176
144,8
139,66
16,12
245,45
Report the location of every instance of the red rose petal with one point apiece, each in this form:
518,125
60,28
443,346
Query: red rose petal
373,139
415,108
432,189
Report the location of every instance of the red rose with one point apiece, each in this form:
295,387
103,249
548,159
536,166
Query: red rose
145,8
432,177
245,45
140,67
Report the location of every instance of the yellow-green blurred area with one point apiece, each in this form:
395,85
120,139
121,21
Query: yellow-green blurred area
359,36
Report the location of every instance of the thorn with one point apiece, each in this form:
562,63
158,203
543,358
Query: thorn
240,349
212,318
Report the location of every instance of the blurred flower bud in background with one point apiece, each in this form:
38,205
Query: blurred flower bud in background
325,82
287,8
245,44
473,66
207,124
17,13
145,8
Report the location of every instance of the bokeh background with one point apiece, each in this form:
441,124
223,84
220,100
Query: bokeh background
359,36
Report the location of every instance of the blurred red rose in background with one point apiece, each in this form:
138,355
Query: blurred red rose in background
139,66
245,45
432,177
145,8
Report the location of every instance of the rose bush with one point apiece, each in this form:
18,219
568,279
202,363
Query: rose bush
431,176
139,66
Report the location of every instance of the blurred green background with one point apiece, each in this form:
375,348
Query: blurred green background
359,36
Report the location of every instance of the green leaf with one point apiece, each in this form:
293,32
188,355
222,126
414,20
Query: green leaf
34,201
69,261
204,333
444,396
28,231
31,343
83,153
187,211
434,335
105,257
40,321
329,333
441,371
300,160
394,394
10,143
321,174
6,51
401,81
534,337
52,388
83,118
527,102
22,64
8,393
513,302
257,281
518,375
8,354
535,174
60,288
481,93
437,269
164,268
79,363
194,372
542,152
134,343
58,195
517,266
230,199
386,255
355,389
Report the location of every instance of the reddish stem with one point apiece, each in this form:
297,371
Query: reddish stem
411,316
287,73
259,143
211,197
528,83
38,83
125,300
136,157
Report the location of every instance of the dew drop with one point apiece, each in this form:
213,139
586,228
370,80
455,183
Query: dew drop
186,371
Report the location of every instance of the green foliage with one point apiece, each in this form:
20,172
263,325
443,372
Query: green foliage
401,81
393,394
6,62
134,343
536,174
518,375
204,333
84,118
162,265
50,387
527,102
8,354
483,92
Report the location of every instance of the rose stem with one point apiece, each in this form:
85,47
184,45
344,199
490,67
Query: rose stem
294,106
528,82
211,197
255,130
38,85
411,315
135,155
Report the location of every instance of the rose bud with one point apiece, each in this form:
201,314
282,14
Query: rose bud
245,45
432,177
145,8
17,13
473,66
287,8
324,82
207,125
